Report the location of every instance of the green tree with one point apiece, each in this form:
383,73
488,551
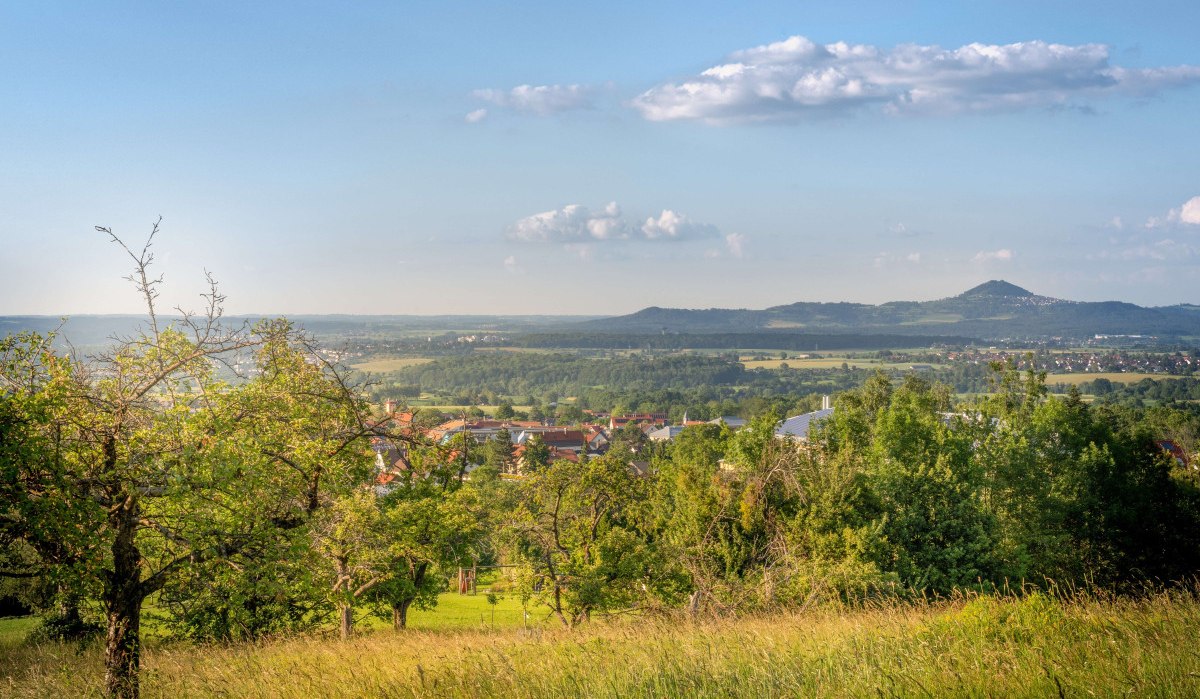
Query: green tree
431,527
351,536
536,456
498,452
577,531
155,466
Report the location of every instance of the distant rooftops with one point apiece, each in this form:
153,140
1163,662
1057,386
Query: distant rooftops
798,427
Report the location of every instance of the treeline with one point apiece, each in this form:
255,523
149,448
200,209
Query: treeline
1182,393
704,386
899,493
522,373
780,340
697,383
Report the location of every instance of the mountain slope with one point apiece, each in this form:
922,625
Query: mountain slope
994,309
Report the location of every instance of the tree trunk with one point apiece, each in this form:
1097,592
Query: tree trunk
347,625
558,607
400,615
123,596
122,649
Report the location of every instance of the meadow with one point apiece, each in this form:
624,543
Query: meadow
1076,378
381,365
1032,646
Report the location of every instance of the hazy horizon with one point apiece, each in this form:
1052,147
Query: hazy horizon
541,159
467,314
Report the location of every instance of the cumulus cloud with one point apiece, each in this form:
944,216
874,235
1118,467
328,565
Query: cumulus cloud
673,226
541,100
796,77
510,263
1002,255
576,223
1188,214
476,116
571,224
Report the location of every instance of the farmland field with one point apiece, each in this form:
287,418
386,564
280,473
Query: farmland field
385,364
1076,378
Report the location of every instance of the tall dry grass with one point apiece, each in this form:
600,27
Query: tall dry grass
1033,646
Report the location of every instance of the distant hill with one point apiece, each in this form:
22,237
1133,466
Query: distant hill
89,331
993,310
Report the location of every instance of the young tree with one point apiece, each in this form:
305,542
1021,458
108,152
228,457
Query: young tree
430,528
350,534
537,455
577,529
498,452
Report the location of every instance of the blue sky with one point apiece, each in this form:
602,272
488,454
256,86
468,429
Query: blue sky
557,158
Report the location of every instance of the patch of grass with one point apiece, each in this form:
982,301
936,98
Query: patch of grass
1074,379
14,629
455,611
383,365
1014,647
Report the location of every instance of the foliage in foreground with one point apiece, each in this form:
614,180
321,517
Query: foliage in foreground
976,646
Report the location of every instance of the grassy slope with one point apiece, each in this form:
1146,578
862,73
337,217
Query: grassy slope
1032,647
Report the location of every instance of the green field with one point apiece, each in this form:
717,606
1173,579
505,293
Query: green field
455,611
1074,379
13,630
1003,647
383,365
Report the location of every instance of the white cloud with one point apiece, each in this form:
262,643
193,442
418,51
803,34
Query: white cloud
736,243
510,263
576,223
913,257
1002,255
796,77
541,100
571,224
673,226
1188,214
476,116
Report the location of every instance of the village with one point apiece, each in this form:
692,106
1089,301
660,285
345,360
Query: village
535,444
